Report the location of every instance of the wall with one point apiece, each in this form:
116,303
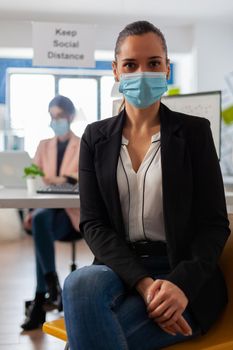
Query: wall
210,44
18,34
203,52
213,52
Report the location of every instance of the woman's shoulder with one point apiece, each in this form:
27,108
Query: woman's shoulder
45,142
189,123
104,128
107,122
188,119
74,138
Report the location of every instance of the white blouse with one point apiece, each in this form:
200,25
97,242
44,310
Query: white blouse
141,193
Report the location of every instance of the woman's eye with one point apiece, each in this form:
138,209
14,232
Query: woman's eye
154,64
129,65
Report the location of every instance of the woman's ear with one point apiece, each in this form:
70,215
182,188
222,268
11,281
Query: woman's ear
114,69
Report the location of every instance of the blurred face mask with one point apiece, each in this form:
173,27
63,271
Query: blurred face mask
144,88
60,126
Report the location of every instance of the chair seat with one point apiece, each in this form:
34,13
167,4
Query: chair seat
219,337
56,328
192,345
211,341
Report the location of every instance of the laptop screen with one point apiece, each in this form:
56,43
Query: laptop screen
12,164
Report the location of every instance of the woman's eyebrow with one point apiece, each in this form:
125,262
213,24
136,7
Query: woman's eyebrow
153,57
128,59
133,59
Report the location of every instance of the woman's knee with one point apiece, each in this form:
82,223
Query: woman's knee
40,218
92,281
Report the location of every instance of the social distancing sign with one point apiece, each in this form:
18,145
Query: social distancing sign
63,44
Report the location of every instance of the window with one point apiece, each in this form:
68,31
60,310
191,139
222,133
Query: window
106,100
83,92
30,91
29,98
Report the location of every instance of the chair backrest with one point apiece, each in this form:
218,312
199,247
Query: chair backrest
220,336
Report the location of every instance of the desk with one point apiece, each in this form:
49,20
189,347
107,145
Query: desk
18,198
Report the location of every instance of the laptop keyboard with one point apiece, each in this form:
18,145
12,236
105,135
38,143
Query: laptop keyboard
59,189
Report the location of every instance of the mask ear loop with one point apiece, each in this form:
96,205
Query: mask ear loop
122,106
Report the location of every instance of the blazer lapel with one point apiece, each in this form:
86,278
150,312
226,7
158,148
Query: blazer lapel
176,170
51,157
107,154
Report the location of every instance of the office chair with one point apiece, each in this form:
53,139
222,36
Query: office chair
72,238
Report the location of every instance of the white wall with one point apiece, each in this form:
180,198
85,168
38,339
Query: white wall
213,52
209,46
19,34
15,34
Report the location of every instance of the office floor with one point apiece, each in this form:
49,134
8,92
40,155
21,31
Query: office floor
17,284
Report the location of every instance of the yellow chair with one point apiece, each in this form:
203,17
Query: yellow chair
57,329
220,336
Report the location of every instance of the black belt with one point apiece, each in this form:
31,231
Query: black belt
149,248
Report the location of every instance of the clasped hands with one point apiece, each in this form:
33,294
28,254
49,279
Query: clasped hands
54,180
165,305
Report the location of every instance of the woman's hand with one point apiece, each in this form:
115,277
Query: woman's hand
54,180
160,293
167,303
27,222
180,326
143,287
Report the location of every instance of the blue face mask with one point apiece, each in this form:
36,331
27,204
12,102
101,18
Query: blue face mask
144,88
60,126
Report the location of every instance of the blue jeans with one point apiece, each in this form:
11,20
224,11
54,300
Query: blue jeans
48,225
101,314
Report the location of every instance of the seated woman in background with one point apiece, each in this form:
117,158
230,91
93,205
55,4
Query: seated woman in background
58,158
153,213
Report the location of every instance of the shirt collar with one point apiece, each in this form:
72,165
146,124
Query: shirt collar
154,138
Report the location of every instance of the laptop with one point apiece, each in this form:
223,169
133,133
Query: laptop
12,164
65,188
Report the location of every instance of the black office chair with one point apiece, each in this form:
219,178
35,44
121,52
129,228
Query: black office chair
73,237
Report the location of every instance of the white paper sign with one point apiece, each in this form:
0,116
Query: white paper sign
63,45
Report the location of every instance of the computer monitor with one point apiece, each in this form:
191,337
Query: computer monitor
203,104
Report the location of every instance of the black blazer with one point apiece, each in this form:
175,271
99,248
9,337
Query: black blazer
195,216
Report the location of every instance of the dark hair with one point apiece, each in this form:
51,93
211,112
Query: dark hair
64,103
139,28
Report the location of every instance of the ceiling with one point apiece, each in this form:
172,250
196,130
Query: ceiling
117,11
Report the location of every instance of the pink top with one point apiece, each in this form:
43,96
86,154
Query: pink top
46,159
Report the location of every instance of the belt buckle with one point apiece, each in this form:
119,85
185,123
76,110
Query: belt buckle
143,243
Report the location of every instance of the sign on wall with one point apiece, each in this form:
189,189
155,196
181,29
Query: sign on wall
63,44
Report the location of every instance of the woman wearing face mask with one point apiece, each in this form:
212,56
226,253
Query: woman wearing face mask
58,158
152,211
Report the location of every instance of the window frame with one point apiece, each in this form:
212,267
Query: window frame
58,73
